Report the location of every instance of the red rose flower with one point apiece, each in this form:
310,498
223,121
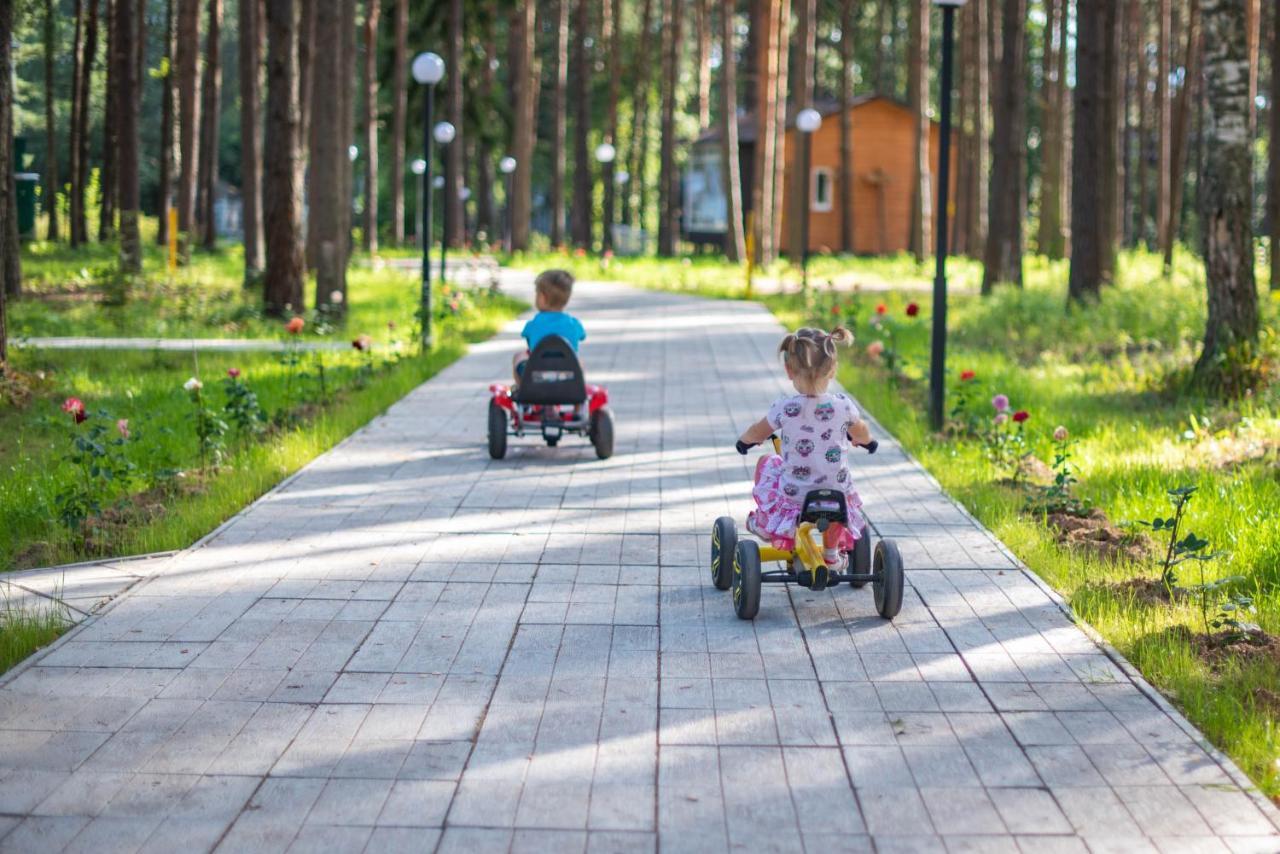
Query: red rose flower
234,373
881,308
912,309
294,326
74,407
1021,415
835,311
965,376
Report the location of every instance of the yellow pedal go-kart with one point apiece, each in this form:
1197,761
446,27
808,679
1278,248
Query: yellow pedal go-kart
735,563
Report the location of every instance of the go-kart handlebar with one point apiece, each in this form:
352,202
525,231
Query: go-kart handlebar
743,447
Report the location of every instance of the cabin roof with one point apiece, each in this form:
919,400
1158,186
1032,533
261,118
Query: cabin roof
827,108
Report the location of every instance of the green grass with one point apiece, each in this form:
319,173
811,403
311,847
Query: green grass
1115,375
23,631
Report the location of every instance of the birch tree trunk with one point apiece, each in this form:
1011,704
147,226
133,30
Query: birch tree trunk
282,196
1226,198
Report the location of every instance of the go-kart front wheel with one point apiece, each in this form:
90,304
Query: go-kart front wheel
497,431
746,579
601,433
860,558
724,542
888,590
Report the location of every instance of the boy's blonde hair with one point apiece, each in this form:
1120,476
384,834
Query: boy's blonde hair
810,355
555,287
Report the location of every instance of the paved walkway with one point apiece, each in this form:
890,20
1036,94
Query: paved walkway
411,647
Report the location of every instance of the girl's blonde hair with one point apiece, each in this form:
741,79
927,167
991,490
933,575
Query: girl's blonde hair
810,355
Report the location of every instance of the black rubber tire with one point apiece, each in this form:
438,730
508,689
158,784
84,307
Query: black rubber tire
602,432
552,441
860,558
724,542
497,431
746,579
888,590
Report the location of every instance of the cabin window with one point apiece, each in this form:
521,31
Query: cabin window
821,200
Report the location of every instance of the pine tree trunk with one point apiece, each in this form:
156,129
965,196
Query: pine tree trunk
348,133
1112,181
884,44
668,176
847,177
282,211
1226,197
1003,257
86,99
1049,239
918,102
456,167
637,155
580,215
1273,151
1253,30
126,121
11,260
977,194
306,37
802,94
109,185
165,161
75,200
250,141
611,22
783,47
211,113
325,180
1096,20
525,77
704,64
1164,140
51,185
1187,96
559,113
735,240
769,22
372,12
187,50
399,105
1142,203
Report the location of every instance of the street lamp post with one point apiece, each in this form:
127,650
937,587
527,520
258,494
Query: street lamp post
419,168
444,133
808,121
464,195
507,166
353,153
428,70
938,353
605,154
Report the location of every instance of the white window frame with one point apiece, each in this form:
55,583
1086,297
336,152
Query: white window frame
816,204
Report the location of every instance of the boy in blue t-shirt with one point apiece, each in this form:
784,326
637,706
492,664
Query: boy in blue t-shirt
552,290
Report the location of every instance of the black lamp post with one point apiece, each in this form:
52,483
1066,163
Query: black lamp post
428,69
419,167
507,166
808,121
605,154
444,133
938,358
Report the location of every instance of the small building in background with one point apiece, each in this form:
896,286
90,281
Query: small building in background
883,141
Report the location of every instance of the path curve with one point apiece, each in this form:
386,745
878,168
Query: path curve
408,646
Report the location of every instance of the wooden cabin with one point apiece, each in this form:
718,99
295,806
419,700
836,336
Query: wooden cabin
883,139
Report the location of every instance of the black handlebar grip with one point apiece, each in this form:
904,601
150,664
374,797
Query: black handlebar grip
871,446
743,447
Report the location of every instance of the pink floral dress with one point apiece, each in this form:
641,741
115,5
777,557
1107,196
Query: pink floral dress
815,454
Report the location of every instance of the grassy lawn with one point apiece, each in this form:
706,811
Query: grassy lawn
1115,376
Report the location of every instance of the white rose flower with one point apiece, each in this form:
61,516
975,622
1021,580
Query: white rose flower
193,384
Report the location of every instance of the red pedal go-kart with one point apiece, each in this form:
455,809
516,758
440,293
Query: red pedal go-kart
552,399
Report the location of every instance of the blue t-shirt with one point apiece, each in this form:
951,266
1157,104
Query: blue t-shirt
546,323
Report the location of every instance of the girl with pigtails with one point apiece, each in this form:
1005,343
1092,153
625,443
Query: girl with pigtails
817,430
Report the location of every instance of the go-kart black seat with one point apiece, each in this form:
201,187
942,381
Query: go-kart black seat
552,376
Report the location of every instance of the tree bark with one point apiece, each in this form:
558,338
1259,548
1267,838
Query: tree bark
525,77
1187,96
735,239
75,200
455,166
348,133
802,94
609,32
188,53
1273,151
979,27
848,10
918,101
704,63
580,215
325,183
1049,240
108,186
783,46
86,101
1226,197
282,213
306,51
669,177
1003,257
11,263
51,184
372,12
769,21
126,121
1112,168
399,105
211,114
637,155
559,113
165,162
250,143
1143,205
1096,22
1164,140
884,44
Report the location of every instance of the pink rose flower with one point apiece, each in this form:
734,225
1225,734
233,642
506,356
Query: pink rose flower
1000,402
875,348
234,373
1060,434
122,427
74,407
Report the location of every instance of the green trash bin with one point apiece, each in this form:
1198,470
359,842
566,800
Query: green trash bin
26,184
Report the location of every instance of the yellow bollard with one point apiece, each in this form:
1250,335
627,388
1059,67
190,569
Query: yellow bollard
751,252
173,238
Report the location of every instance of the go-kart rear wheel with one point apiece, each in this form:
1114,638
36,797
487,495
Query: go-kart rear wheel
888,590
601,432
724,542
860,558
746,579
497,431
